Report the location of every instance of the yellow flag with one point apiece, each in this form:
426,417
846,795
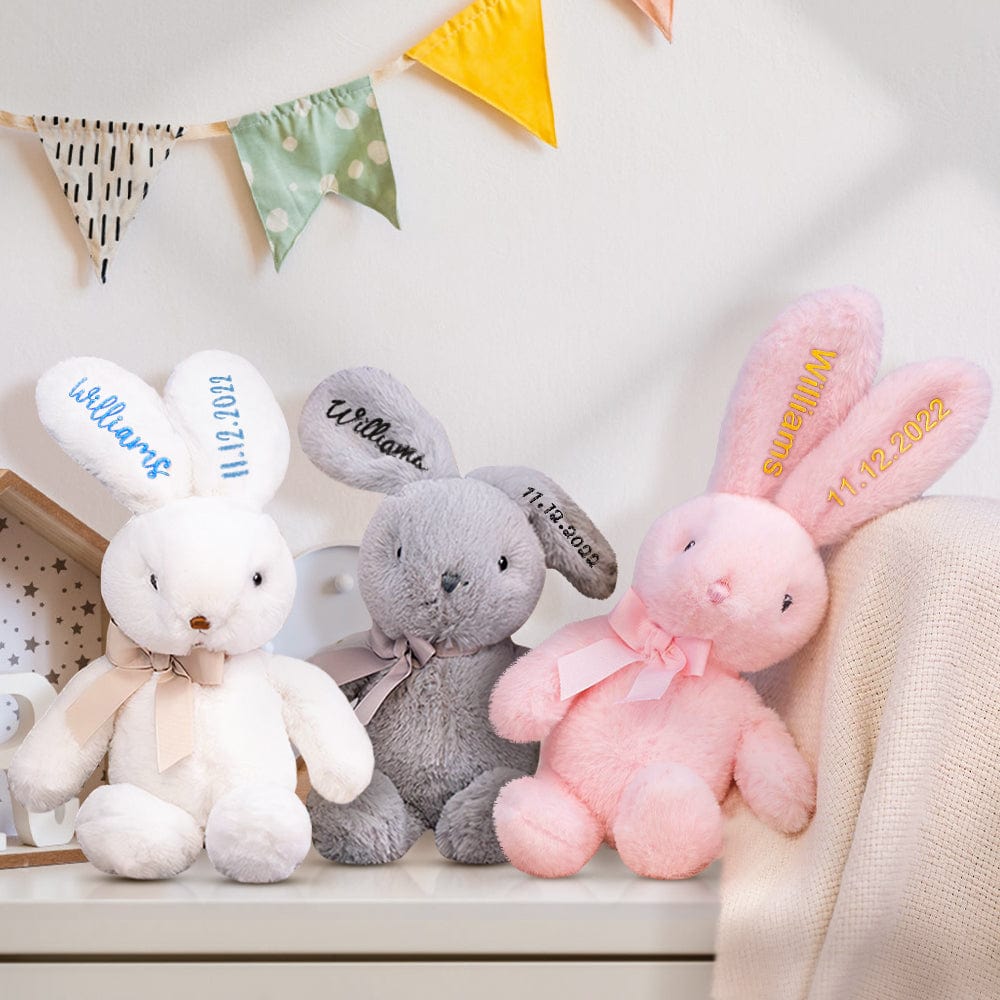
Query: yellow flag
495,49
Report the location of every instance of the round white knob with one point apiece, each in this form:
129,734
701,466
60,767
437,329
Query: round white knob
343,582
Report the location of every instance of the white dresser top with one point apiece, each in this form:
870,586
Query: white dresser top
422,905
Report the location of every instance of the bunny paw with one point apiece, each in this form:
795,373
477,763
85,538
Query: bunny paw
124,830
465,832
376,828
522,712
775,780
544,829
345,784
790,805
257,834
668,824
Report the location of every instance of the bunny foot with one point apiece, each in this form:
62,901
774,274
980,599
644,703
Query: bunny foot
376,828
668,823
124,830
543,829
465,830
257,834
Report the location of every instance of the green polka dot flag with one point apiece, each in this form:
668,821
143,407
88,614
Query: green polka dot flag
293,154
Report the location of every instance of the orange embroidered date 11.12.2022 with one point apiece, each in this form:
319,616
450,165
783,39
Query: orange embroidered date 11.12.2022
881,460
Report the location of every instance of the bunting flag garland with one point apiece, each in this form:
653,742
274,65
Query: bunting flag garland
330,142
105,170
495,49
661,13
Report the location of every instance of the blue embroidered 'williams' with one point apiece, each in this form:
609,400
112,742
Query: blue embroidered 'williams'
106,413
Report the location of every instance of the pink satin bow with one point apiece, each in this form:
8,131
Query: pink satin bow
637,638
133,666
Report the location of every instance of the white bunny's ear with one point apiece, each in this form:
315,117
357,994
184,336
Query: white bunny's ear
117,428
233,426
364,428
799,381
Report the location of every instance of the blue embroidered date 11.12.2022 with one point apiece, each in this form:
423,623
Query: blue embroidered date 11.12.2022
232,446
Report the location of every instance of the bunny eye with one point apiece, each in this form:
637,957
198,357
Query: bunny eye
399,552
257,579
152,580
502,563
690,545
786,603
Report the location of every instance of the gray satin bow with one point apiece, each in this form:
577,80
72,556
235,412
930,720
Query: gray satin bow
369,654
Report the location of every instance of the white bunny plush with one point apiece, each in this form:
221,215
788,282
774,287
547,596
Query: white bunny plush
196,716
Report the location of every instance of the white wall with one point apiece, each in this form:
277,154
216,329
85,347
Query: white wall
584,311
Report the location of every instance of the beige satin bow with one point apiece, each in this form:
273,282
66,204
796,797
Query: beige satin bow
174,698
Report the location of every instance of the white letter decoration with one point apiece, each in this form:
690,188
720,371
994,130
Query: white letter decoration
34,694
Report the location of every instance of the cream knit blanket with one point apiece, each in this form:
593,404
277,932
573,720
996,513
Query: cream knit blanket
893,892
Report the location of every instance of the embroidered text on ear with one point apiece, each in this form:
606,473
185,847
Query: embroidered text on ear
224,408
375,429
106,413
805,398
535,498
881,461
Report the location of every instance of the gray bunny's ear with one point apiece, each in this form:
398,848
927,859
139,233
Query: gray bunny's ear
363,428
573,546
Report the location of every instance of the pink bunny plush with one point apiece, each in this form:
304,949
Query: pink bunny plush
644,718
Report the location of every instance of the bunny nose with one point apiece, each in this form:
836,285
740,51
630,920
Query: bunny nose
200,622
449,581
718,591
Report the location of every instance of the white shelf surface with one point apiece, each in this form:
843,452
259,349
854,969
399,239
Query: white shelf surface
420,906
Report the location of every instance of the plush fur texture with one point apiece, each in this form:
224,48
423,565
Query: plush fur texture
964,391
744,572
214,555
68,419
771,556
439,764
126,831
352,458
232,542
460,526
258,834
847,321
596,581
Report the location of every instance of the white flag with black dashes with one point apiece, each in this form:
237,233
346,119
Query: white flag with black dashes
105,169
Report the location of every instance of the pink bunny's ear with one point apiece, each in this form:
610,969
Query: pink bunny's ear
799,381
912,427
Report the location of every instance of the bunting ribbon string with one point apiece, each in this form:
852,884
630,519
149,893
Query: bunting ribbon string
211,130
295,153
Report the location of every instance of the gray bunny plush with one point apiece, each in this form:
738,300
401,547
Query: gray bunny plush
449,567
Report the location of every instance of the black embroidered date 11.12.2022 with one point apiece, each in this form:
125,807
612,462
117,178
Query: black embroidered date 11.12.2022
535,498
